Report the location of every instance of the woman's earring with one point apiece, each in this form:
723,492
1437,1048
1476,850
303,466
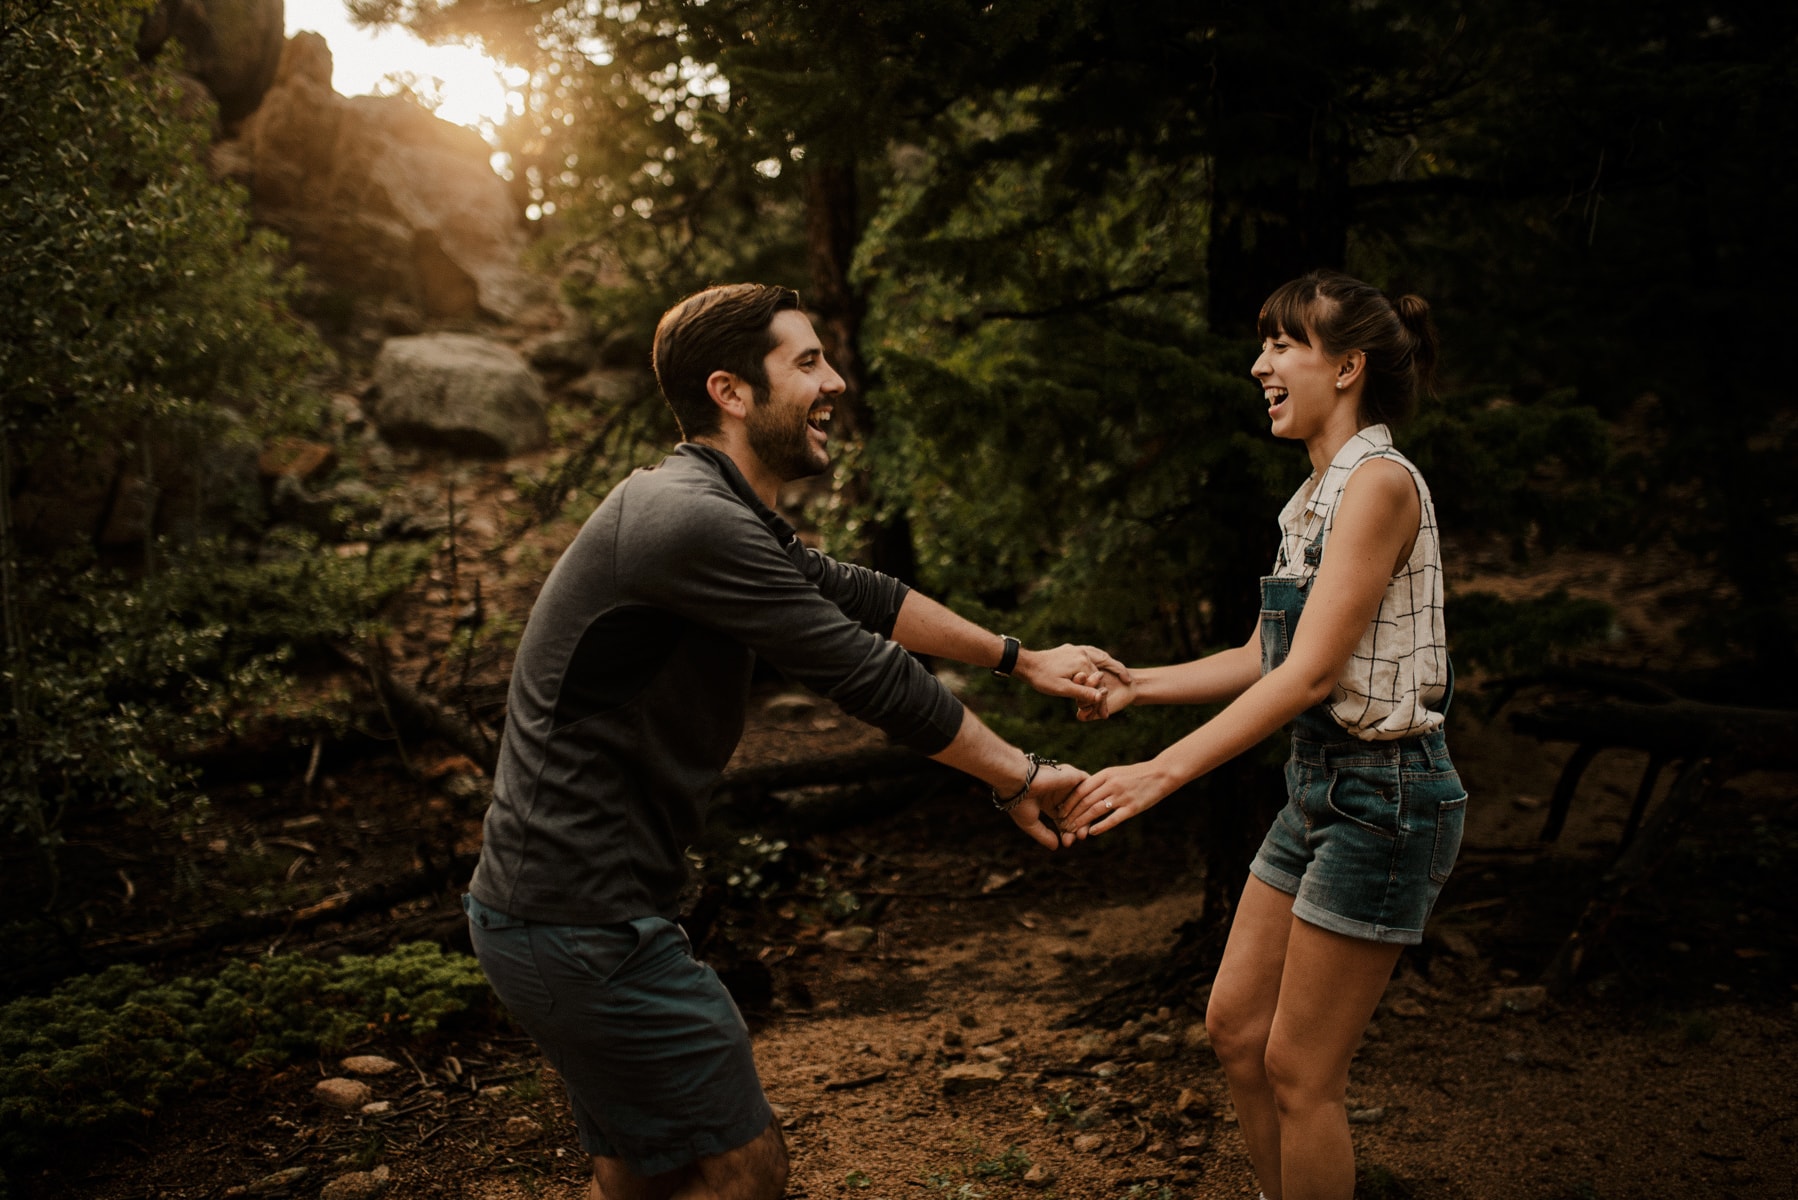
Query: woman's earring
1339,385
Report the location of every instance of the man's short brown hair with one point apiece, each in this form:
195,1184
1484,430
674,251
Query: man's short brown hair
728,327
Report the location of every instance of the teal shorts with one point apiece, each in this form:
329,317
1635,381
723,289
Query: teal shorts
1368,836
652,1049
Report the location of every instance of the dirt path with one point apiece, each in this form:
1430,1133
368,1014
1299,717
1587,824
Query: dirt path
1670,1073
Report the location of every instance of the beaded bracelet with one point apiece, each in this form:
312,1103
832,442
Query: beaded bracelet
1010,802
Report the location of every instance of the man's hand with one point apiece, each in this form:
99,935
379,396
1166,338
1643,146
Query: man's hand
1058,672
1048,792
1115,695
1104,801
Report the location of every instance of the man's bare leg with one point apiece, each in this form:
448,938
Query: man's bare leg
754,1171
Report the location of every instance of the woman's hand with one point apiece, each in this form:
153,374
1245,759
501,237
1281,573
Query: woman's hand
1116,693
1111,797
1058,672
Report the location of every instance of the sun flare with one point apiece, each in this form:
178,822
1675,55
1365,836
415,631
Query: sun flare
460,83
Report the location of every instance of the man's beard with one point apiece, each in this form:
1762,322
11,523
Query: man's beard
783,441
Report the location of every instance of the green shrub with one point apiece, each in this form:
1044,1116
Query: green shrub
127,670
1514,637
116,1046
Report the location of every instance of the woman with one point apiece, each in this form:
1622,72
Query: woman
1349,871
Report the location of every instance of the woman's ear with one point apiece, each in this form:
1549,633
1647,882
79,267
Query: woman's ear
1351,368
729,393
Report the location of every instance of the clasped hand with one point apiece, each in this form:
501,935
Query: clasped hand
1049,791
1068,670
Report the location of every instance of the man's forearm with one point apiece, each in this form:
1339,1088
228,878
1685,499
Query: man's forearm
926,627
980,752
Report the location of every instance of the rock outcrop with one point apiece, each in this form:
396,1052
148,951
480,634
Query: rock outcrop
379,197
232,46
457,392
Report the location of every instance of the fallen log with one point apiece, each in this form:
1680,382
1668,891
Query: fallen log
1633,866
244,927
1711,741
1745,737
406,705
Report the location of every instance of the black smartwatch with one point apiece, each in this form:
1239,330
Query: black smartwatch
1008,657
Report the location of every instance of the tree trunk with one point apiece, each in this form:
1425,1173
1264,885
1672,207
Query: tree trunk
832,230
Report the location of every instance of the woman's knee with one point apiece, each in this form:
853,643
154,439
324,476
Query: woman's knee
1238,1032
1299,1077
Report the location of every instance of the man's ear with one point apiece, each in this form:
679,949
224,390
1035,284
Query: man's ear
729,393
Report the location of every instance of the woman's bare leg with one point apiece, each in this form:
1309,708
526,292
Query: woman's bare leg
1328,991
1241,1016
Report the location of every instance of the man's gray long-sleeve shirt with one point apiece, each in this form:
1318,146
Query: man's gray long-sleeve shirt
631,683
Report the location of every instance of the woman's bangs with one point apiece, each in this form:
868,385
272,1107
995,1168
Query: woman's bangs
1289,311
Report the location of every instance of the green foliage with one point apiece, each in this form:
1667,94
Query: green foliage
1518,637
1010,1165
143,295
115,1047
149,341
129,670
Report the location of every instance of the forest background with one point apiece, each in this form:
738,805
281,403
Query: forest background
1035,235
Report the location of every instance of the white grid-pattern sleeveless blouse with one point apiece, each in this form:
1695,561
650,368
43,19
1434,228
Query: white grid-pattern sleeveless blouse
1398,672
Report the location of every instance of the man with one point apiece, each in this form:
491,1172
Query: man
627,700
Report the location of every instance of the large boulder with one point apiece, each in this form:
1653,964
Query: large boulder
458,392
232,46
379,197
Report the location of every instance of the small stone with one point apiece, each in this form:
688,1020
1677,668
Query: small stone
1156,1046
852,939
347,1094
790,706
1091,1117
1366,1116
1192,1102
357,1185
522,1128
1196,1037
969,1077
1192,1143
1038,1176
1511,1000
1407,1006
1456,943
989,1053
369,1064
1087,1143
377,1108
1106,1070
1092,1045
277,1181
494,1091
1526,803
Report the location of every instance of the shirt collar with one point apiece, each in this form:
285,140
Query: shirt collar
1335,476
733,478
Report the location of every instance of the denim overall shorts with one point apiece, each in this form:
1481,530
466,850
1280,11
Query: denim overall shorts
1370,830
